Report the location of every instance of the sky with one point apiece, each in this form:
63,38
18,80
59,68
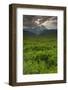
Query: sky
32,21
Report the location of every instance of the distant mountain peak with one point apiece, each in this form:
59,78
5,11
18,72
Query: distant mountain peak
37,30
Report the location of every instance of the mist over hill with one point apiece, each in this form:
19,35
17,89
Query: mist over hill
37,32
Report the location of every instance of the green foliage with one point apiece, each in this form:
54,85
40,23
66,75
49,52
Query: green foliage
40,55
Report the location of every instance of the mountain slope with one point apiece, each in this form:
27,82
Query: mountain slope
36,32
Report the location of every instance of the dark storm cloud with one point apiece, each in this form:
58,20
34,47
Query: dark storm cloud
28,20
33,21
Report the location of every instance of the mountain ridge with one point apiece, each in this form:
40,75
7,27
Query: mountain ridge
44,32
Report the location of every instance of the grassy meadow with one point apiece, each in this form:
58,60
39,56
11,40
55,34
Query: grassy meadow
40,54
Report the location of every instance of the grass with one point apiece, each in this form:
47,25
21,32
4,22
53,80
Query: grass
40,55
